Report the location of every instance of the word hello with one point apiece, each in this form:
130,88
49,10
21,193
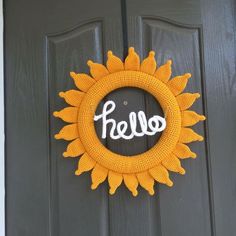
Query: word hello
148,127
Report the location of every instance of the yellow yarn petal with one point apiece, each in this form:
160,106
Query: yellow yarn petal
146,181
132,61
114,180
131,183
68,114
97,70
161,175
182,151
72,97
187,135
172,163
163,73
149,64
68,132
190,118
74,149
186,100
82,81
86,163
178,83
99,175
114,63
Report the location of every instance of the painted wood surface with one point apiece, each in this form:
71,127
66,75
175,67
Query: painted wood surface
44,41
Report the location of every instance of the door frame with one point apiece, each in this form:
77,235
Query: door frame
2,136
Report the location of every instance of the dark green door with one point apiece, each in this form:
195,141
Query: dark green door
44,41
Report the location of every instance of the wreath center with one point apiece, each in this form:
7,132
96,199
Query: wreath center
119,129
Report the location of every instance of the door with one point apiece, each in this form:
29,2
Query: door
44,41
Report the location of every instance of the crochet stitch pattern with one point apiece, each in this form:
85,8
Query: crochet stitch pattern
145,168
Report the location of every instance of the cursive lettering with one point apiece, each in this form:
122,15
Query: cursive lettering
148,127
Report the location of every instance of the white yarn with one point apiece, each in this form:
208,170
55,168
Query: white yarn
154,124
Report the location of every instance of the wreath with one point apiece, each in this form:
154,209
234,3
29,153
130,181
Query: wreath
145,168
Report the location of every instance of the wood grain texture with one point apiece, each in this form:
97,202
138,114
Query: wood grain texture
67,52
44,197
179,42
44,40
218,19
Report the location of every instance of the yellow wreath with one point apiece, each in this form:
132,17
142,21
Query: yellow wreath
140,169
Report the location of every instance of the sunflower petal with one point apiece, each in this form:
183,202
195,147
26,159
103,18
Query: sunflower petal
146,181
114,63
68,114
68,132
163,73
178,83
182,151
149,64
187,135
186,100
131,183
190,118
161,175
172,163
72,97
97,70
82,81
99,175
86,163
74,149
132,61
114,180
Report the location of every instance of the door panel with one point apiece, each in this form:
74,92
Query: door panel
44,41
186,31
69,51
181,43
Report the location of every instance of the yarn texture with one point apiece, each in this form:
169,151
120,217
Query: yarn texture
143,169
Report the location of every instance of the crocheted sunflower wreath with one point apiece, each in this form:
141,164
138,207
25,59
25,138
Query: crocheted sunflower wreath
150,166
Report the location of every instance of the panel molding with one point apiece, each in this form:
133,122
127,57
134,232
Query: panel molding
93,29
146,22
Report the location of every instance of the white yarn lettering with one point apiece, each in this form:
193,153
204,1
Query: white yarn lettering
154,124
